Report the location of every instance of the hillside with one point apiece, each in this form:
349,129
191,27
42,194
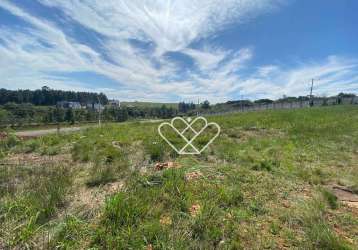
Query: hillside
275,179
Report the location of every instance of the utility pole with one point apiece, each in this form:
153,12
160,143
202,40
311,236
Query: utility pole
57,118
311,88
197,112
311,93
99,112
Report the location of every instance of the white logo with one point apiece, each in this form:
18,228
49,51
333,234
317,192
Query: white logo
183,150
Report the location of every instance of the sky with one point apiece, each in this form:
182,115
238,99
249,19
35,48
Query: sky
181,50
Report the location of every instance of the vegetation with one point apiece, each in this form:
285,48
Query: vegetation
49,97
137,104
47,106
17,115
263,184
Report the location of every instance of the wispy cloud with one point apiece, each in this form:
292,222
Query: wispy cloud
136,37
171,25
331,75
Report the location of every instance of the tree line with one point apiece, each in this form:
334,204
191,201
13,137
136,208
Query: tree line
49,97
13,114
35,107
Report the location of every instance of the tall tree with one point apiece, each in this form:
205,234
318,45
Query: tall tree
69,116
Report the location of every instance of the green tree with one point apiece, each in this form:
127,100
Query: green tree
70,116
205,104
58,114
3,116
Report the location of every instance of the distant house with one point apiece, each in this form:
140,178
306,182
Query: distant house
332,100
355,100
95,106
114,103
348,100
66,105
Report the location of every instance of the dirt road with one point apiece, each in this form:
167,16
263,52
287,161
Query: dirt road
41,132
36,133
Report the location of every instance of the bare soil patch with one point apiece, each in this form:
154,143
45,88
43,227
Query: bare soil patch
37,159
345,195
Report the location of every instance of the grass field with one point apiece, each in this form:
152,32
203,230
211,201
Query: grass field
149,104
284,179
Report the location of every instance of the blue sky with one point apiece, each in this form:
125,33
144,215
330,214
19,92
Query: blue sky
174,50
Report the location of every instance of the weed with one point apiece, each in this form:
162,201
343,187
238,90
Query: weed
262,160
70,234
330,198
44,194
206,227
155,149
274,228
50,150
101,174
318,233
30,146
267,165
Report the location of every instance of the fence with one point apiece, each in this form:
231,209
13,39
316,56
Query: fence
316,102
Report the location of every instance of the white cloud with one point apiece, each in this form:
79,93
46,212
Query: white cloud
172,24
35,55
332,75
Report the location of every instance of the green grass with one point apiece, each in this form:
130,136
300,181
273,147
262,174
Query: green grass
263,184
149,104
26,210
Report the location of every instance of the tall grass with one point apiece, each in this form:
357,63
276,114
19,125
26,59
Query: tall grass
33,206
244,198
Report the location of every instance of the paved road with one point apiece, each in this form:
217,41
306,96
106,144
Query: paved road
36,133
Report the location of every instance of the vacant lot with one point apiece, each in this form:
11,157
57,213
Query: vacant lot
272,180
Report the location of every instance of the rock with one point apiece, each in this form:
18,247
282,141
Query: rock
166,165
3,135
193,175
